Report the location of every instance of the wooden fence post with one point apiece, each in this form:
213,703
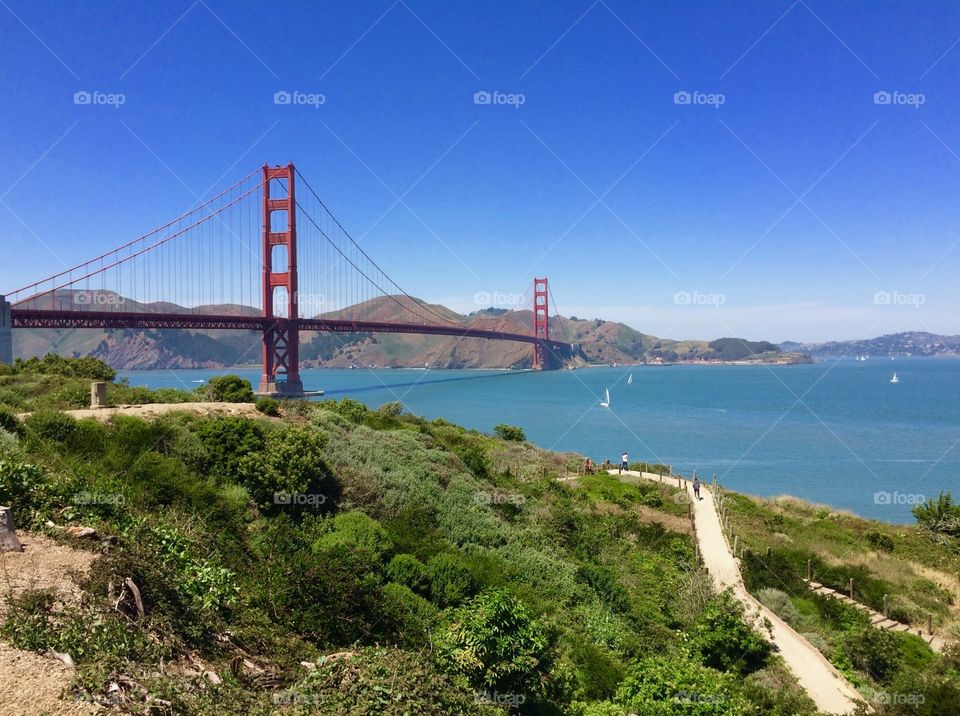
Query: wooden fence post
809,570
769,550
736,543
930,624
886,605
851,587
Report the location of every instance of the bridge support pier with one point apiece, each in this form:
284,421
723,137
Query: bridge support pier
6,332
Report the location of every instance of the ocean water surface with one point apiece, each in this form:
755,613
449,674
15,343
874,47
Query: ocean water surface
836,432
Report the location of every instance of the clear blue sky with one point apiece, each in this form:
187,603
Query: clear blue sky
791,205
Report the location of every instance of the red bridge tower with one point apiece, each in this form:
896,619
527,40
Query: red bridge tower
281,336
541,322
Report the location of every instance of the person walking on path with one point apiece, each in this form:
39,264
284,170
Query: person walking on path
696,487
624,464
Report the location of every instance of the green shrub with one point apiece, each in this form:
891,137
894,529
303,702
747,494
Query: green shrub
780,604
357,531
182,581
393,409
603,580
903,609
226,441
774,692
22,487
450,580
51,425
476,461
386,681
776,570
411,617
510,432
52,364
268,406
725,641
598,670
290,472
495,643
10,423
880,541
409,571
874,651
669,685
227,389
86,635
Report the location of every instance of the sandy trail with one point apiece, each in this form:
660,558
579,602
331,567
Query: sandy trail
153,410
830,691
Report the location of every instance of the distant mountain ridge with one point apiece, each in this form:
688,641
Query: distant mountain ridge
599,341
906,344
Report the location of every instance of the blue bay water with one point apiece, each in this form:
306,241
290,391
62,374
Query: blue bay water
836,432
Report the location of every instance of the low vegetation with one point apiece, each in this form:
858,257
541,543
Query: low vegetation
343,560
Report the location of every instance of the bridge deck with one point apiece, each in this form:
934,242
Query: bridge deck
37,318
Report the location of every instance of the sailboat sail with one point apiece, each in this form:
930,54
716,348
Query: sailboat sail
630,379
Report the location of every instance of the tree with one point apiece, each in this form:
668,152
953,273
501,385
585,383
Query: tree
940,515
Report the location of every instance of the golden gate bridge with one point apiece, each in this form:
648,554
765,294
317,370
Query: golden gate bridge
265,255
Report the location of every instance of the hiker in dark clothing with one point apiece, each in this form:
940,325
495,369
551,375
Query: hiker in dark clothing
696,487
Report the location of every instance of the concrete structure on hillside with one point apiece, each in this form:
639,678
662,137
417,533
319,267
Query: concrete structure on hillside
6,334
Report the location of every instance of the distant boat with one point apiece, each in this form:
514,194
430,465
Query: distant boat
606,403
894,379
630,379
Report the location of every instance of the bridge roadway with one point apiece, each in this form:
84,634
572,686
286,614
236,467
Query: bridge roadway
51,318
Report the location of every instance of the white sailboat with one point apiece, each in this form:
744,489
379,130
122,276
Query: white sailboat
606,403
630,379
894,379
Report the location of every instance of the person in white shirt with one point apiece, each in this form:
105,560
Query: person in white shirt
624,464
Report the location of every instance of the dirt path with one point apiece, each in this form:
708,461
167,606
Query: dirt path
33,684
823,683
152,410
